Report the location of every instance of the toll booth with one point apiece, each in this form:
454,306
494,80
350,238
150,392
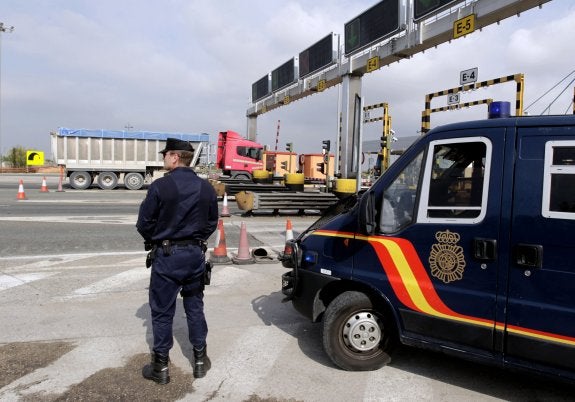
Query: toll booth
311,166
279,163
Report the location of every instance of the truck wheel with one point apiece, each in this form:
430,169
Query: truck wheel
107,180
242,176
355,336
80,180
133,181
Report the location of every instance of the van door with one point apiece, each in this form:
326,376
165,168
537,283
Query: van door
438,237
541,300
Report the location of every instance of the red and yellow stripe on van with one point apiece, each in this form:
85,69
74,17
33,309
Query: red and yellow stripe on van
413,287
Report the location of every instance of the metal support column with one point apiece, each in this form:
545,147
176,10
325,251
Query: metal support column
350,141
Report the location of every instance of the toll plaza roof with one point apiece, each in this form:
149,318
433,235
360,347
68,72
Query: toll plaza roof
144,135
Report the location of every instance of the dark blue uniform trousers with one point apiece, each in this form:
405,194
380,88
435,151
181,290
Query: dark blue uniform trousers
181,270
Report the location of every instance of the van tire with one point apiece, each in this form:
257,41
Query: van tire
355,336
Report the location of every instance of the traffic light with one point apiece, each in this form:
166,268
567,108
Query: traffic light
284,165
325,145
289,146
386,141
320,167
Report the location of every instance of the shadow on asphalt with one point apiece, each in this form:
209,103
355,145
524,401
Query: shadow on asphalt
483,379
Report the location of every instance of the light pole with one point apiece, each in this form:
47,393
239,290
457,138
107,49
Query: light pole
2,30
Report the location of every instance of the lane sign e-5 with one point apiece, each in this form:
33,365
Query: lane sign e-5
464,26
468,76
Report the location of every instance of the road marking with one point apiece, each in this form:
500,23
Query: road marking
239,371
105,219
10,281
87,358
72,256
112,283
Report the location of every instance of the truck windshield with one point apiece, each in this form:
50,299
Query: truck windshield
249,152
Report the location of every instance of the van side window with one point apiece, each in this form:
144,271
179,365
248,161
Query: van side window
559,180
398,207
455,182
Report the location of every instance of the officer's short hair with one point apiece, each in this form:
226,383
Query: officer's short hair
185,157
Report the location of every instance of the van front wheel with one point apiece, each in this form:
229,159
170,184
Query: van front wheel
355,336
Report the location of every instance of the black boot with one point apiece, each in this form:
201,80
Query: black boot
157,370
202,362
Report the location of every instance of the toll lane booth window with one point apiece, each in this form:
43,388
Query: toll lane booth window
455,181
559,180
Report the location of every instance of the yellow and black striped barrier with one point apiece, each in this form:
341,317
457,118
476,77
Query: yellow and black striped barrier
426,114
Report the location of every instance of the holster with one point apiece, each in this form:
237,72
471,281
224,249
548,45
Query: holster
151,255
208,273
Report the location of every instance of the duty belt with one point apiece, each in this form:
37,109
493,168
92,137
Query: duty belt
168,244
181,242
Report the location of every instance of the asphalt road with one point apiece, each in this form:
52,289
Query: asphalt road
75,321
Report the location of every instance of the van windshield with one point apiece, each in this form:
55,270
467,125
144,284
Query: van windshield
341,206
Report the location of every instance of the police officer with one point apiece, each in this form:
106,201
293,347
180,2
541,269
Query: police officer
176,218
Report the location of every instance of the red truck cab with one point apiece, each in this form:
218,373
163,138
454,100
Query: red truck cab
237,156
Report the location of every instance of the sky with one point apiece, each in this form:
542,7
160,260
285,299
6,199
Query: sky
188,66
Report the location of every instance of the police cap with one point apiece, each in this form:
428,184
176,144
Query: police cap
173,144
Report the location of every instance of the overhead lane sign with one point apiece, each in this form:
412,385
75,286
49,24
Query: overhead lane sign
375,24
284,75
318,56
424,8
261,88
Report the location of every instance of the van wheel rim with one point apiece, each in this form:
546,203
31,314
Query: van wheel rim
362,332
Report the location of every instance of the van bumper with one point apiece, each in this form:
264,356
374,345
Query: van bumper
303,288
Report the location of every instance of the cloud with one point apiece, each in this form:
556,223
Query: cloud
188,65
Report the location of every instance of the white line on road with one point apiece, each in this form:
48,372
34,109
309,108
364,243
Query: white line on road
243,367
112,283
10,281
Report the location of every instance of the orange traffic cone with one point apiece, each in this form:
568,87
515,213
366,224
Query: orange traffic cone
21,194
60,180
44,188
243,256
220,253
225,211
289,230
289,236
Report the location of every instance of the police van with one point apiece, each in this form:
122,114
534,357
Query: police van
465,245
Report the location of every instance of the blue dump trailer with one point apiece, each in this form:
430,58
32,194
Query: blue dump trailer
108,157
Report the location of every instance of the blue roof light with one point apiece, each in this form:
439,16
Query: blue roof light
499,109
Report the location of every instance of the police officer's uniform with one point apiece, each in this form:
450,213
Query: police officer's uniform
179,213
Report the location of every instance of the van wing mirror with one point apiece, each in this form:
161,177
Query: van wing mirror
367,213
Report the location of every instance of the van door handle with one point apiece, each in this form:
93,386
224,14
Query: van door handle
484,249
529,255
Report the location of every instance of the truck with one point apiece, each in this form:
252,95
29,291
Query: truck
238,157
106,156
464,246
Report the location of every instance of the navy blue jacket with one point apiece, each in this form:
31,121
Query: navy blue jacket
178,206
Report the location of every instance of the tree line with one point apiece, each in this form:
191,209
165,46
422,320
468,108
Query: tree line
16,157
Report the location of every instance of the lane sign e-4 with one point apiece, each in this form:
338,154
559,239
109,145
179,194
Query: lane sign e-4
468,76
